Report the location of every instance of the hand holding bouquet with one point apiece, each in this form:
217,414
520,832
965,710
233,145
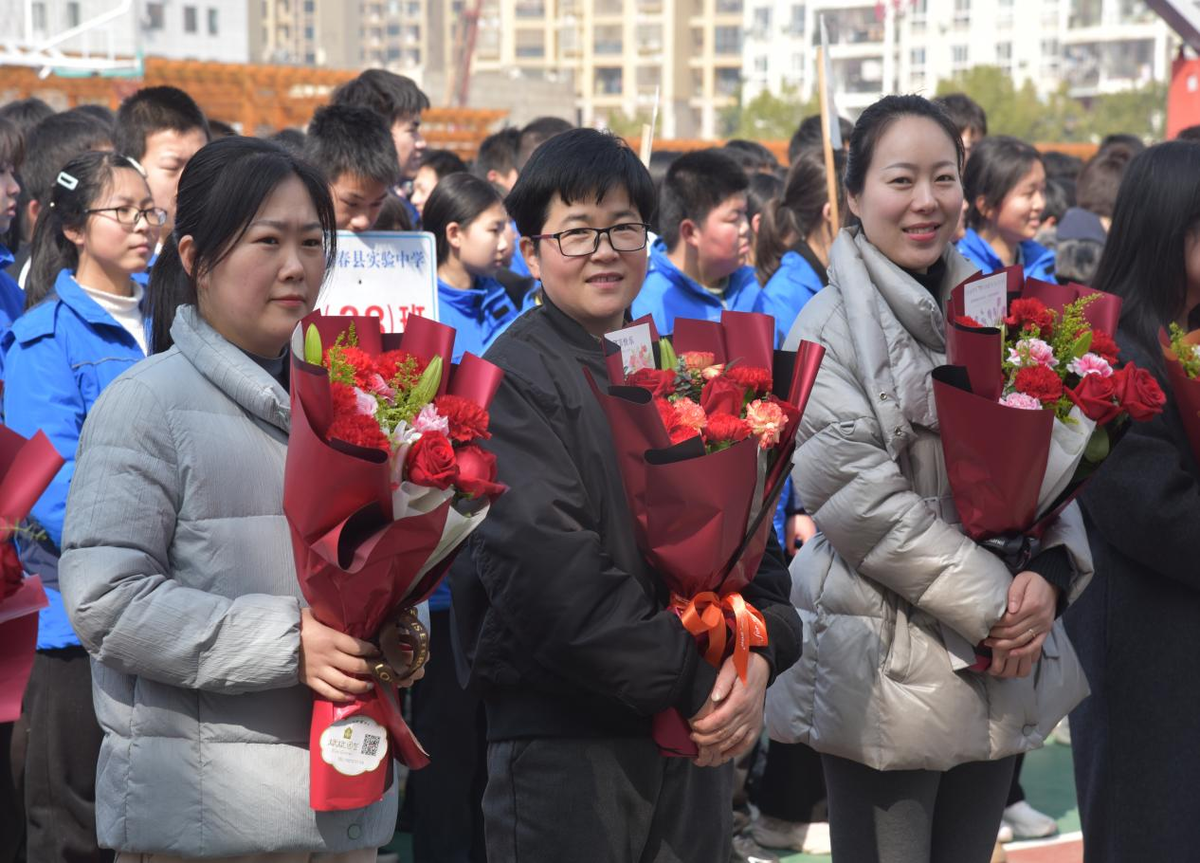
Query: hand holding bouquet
384,481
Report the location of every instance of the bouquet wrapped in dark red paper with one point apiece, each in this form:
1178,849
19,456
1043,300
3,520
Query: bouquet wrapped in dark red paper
383,483
1030,404
1182,353
26,469
704,442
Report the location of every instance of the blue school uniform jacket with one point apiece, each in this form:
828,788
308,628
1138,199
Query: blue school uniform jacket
786,292
1036,260
59,356
12,302
478,317
668,293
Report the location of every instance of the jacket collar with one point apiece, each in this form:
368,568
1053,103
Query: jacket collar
6,257
1029,252
482,294
71,295
737,282
569,329
230,370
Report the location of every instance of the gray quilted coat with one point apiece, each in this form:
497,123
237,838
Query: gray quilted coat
891,593
177,573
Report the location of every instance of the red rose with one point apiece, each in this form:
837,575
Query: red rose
11,572
1096,396
1138,392
1104,345
722,395
752,378
659,382
477,472
1024,312
1041,383
724,428
431,461
468,420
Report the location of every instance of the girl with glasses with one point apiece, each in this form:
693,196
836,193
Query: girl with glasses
83,326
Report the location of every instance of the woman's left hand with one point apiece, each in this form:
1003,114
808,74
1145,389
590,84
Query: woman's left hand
1018,636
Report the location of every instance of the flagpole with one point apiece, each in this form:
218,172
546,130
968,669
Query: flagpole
830,171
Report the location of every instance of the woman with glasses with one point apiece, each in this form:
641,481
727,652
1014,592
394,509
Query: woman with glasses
83,327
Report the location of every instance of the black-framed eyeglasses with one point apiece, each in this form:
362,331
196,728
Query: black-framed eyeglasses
580,242
154,216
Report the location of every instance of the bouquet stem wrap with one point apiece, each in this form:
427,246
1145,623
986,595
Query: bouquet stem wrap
26,469
367,551
702,519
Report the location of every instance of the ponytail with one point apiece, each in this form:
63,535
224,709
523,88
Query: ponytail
787,221
170,288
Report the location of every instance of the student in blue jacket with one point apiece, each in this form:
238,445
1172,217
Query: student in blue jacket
83,326
698,265
1005,188
12,298
467,219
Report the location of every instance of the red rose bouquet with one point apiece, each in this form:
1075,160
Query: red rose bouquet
1182,353
383,483
26,469
704,442
1029,407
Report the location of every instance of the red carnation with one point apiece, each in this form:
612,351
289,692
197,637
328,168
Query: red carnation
477,472
1023,313
724,428
1104,345
1138,392
468,420
389,364
11,573
659,382
359,360
431,461
1096,397
754,378
722,395
968,321
1041,383
358,429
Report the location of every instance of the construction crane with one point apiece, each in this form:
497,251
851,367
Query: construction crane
458,82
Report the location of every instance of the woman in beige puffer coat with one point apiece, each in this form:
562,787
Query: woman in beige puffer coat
917,749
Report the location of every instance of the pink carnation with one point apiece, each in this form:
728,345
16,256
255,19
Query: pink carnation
1032,352
429,420
1090,364
766,420
689,414
1022,401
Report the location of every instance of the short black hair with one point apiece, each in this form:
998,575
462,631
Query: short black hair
751,155
497,152
394,96
964,112
1123,139
460,198
536,133
12,146
153,109
1099,181
26,113
220,129
1061,165
54,142
1060,197
291,140
1191,133
696,184
996,166
579,165
347,139
101,112
444,163
810,136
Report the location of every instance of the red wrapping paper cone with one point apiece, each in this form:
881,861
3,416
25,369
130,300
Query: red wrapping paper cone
1103,313
26,468
1185,390
426,338
979,351
995,456
18,642
746,338
705,336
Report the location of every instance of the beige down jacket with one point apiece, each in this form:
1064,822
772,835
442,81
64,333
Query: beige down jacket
891,593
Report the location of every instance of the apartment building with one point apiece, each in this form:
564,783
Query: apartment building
384,33
1095,46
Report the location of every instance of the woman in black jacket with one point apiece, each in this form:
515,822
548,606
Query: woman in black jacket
1137,738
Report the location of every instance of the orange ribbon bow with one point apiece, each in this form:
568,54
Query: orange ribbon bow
706,615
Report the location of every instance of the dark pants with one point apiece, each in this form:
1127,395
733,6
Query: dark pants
792,783
12,804
915,816
63,747
605,801
447,796
1015,792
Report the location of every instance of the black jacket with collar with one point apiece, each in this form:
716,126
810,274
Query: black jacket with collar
559,621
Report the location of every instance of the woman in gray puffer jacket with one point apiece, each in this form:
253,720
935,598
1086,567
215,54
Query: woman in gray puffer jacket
177,567
917,749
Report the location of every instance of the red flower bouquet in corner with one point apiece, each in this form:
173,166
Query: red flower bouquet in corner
26,469
704,442
383,483
1182,354
1029,407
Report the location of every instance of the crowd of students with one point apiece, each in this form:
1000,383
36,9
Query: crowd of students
152,267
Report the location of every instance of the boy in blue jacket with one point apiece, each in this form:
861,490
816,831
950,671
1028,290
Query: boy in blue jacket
354,149
698,265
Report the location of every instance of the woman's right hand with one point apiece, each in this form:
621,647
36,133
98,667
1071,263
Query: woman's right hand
329,660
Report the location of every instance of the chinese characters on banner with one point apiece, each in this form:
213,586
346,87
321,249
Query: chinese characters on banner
385,274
